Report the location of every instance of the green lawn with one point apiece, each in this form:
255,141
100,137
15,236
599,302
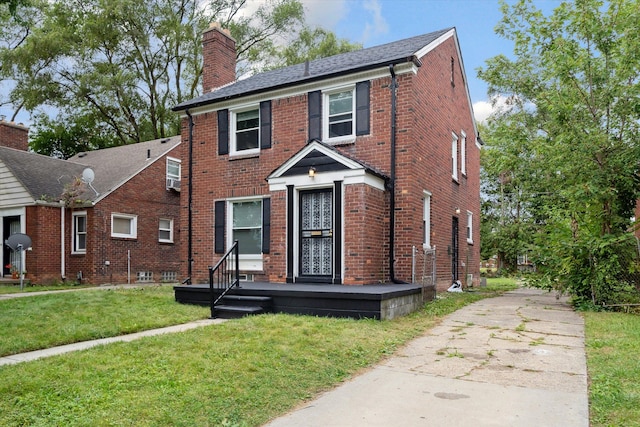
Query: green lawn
239,373
613,359
36,322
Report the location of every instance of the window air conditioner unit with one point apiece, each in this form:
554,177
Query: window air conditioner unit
173,184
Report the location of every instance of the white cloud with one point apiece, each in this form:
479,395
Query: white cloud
378,25
325,13
482,110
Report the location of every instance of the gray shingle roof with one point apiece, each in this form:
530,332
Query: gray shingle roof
114,166
45,177
345,63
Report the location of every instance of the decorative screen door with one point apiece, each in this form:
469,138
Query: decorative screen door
316,234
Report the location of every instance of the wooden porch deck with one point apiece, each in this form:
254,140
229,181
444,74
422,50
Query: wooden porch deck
367,301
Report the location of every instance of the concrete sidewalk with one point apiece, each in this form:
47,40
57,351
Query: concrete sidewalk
514,360
53,351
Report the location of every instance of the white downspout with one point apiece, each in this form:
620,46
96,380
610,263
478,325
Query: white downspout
62,248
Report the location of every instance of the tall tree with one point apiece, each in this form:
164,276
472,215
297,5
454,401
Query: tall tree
310,44
127,62
573,92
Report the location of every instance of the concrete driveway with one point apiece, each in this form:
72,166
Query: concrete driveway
514,360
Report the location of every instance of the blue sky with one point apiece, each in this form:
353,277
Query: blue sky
375,22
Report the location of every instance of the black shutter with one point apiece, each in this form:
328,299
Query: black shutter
265,124
314,100
266,226
362,108
219,226
223,132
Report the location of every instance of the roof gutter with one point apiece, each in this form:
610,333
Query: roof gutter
392,179
312,78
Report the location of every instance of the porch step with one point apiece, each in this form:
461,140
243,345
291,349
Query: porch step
236,306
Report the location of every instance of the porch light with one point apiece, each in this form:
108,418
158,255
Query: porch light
312,172
457,211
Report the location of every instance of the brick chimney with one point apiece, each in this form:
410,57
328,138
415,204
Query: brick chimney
14,135
219,58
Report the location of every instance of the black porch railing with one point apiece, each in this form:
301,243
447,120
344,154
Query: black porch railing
224,276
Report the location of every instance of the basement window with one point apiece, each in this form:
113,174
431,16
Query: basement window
144,276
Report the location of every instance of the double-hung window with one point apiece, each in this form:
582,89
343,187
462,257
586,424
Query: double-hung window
454,156
469,227
426,219
246,226
339,114
165,230
463,153
79,232
246,131
173,169
124,226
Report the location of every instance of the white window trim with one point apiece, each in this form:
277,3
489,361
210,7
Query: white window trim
134,226
74,249
426,219
170,230
250,262
469,227
233,128
179,162
325,114
463,153
454,156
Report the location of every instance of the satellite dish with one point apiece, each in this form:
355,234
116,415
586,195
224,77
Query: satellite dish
88,175
18,242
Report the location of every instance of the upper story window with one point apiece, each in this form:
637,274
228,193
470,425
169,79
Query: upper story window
79,232
463,153
173,168
124,225
246,131
173,173
454,156
339,114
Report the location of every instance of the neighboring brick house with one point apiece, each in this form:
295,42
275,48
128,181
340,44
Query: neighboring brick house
118,229
324,173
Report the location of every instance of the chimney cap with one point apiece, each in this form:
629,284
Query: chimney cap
218,26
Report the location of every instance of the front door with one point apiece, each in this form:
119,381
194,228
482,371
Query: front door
11,258
316,235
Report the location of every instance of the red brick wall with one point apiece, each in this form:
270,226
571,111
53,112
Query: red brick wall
366,229
429,108
147,197
14,135
43,261
424,163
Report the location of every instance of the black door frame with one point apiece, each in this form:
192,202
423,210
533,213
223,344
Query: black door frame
455,245
322,234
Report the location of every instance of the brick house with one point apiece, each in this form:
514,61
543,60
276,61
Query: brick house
115,228
335,170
